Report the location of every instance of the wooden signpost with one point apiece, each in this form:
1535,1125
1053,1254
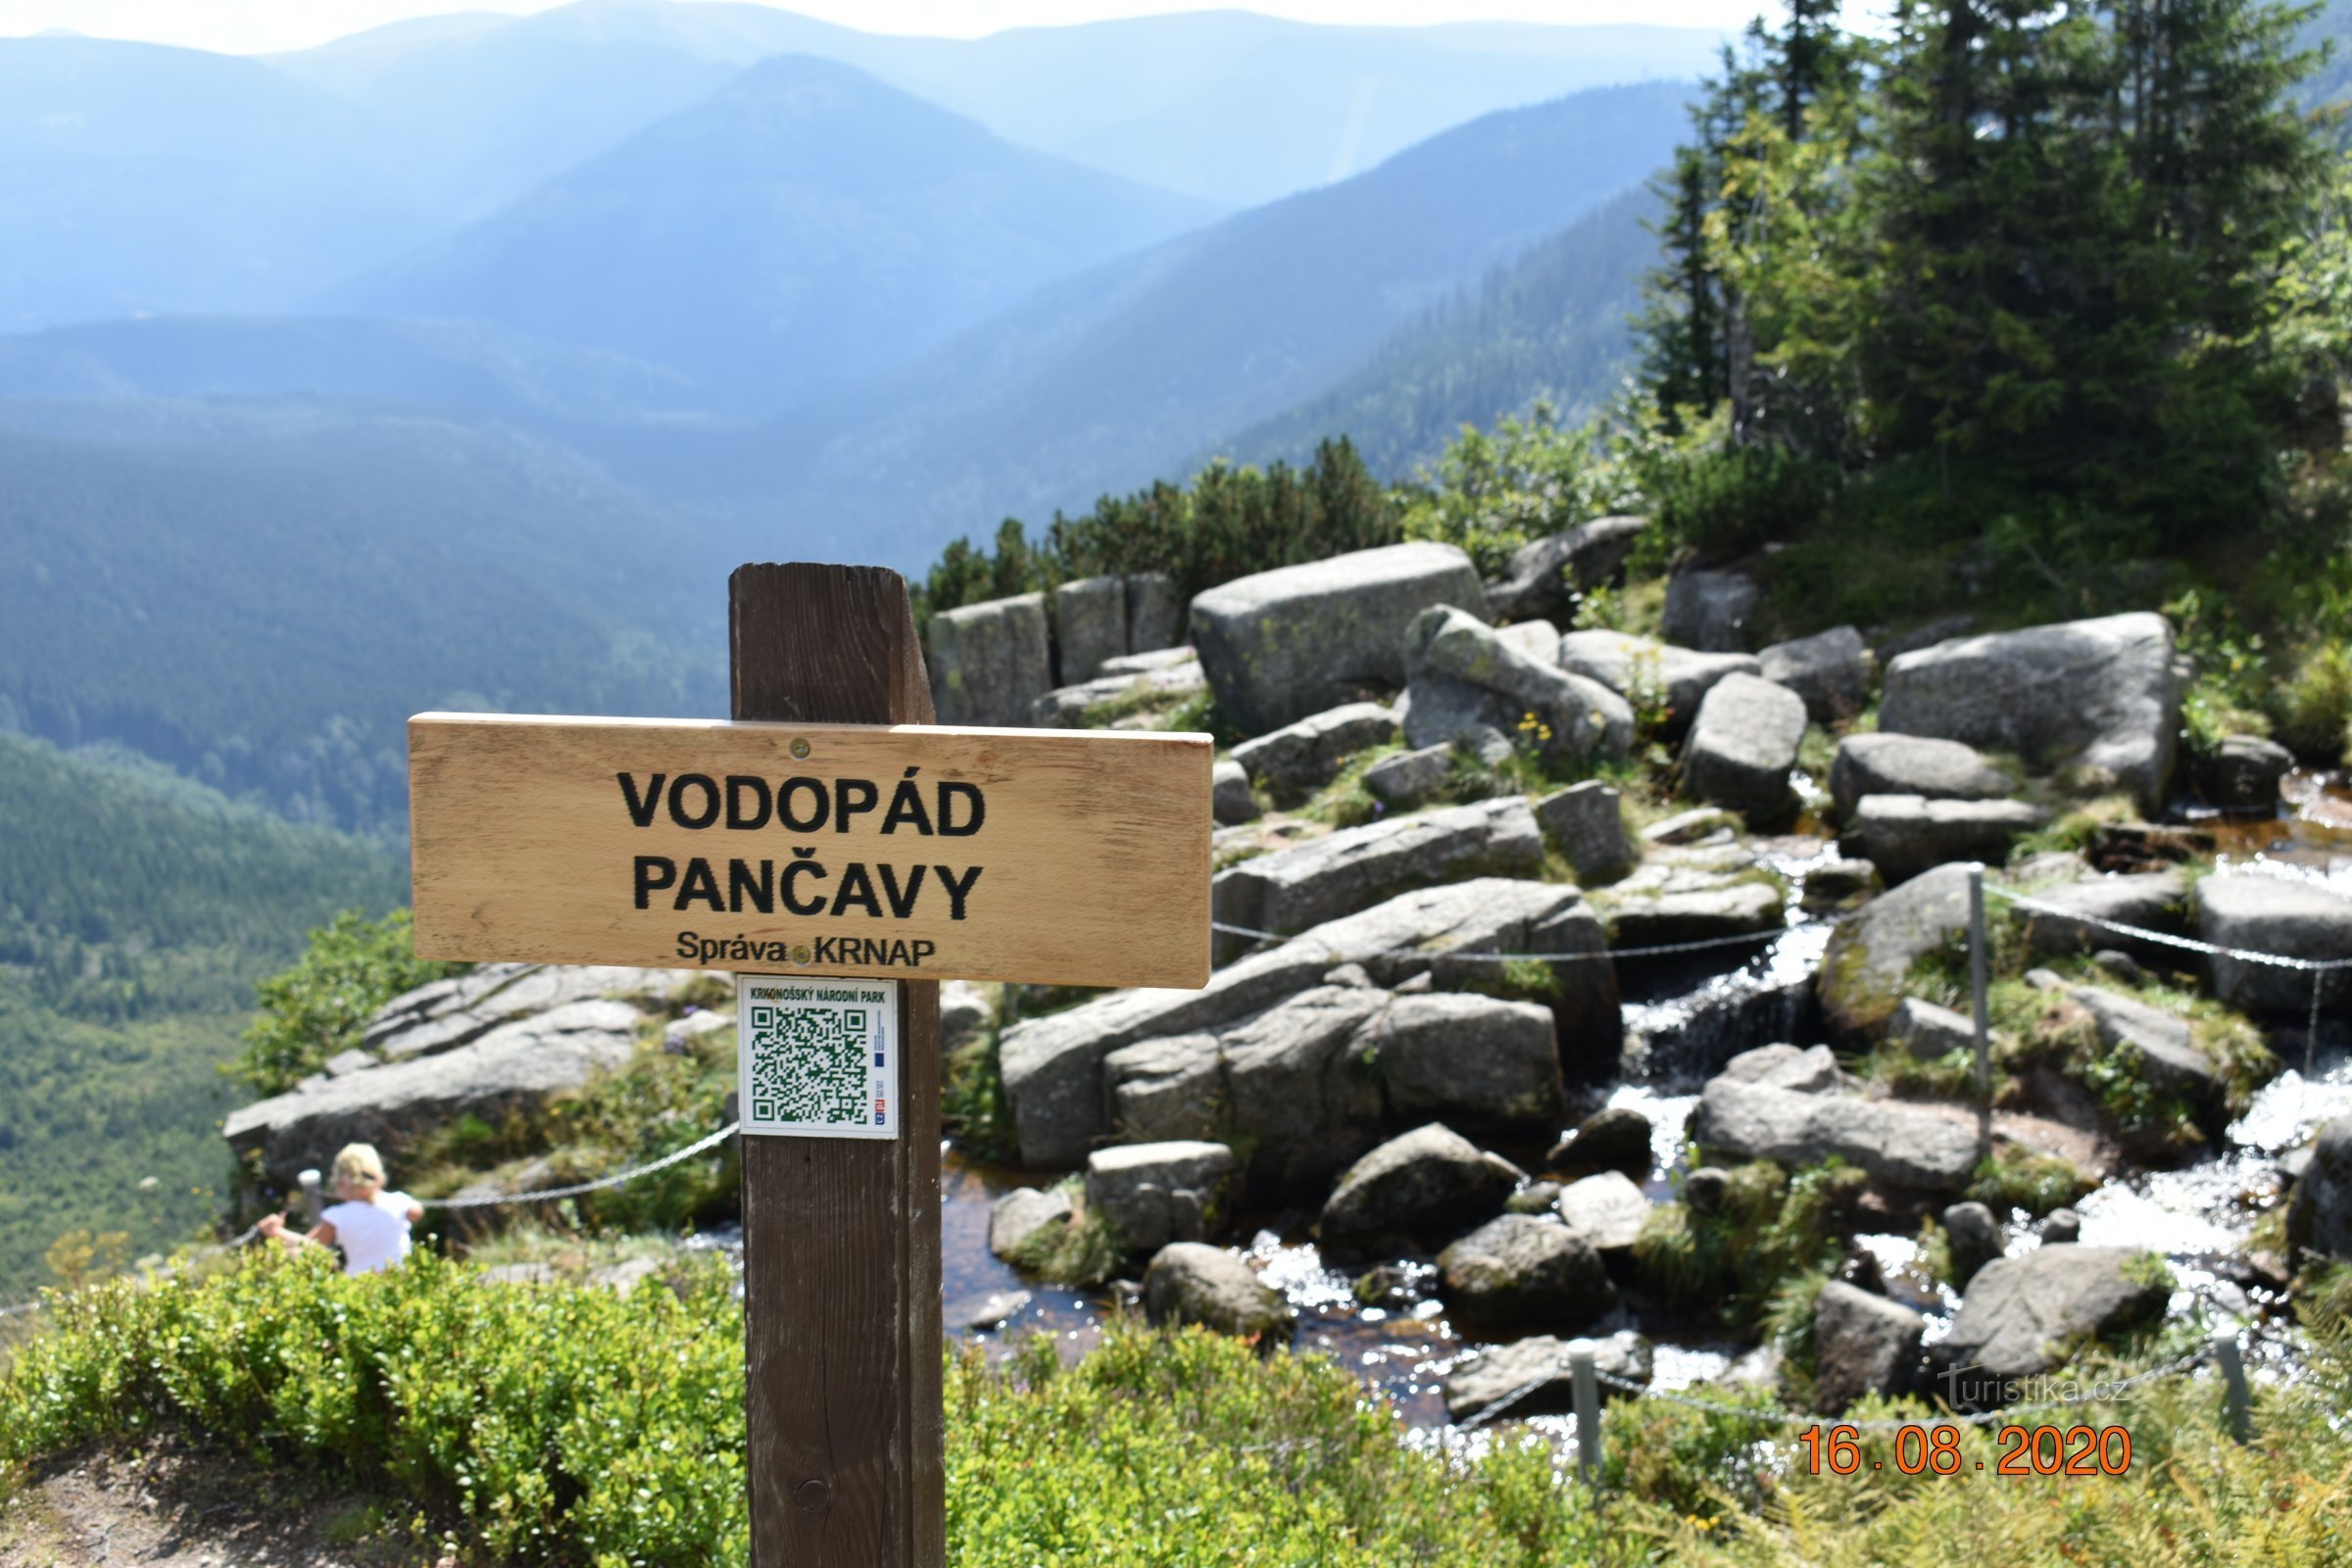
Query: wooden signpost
828,834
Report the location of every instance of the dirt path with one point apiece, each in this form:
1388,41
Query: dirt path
167,1508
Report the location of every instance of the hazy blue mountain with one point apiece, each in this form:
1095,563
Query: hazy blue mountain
136,179
1119,376
803,228
484,110
460,368
260,596
1554,325
1229,106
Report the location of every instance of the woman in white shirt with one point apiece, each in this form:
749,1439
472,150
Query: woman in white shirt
370,1224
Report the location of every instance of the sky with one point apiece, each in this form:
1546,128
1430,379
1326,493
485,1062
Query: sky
257,27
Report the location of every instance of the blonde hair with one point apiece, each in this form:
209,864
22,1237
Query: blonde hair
359,1164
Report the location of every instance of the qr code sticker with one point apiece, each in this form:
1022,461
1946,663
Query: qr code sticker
819,1057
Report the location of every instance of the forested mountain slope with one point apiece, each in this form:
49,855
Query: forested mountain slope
261,599
136,911
1119,376
1554,325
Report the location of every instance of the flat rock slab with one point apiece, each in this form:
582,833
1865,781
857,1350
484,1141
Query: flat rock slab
1280,645
1907,1145
514,1067
1300,758
447,1013
2085,912
2279,915
1904,835
2100,697
1883,763
1491,1376
1052,1066
1149,1194
1696,907
1323,880
1809,1071
1074,706
2023,1315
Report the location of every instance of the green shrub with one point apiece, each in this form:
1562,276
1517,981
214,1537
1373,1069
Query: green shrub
564,1425
1769,1228
1735,498
314,1010
2314,705
2017,1178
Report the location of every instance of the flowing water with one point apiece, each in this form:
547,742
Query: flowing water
1682,1025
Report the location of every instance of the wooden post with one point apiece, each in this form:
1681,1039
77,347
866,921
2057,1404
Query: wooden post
2233,1373
1586,1383
1980,971
841,1236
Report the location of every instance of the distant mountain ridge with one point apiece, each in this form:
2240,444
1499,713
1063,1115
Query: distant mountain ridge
1117,377
260,596
1554,325
803,228
1232,106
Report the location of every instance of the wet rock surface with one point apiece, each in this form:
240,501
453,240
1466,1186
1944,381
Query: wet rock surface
2021,1315
1522,1270
1862,1343
1545,1360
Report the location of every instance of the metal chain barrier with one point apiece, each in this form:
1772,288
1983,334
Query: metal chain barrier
482,1200
2167,939
2317,968
1744,938
617,1179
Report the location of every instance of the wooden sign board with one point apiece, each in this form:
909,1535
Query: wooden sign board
906,852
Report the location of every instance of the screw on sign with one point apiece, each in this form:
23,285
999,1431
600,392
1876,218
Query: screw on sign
843,854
